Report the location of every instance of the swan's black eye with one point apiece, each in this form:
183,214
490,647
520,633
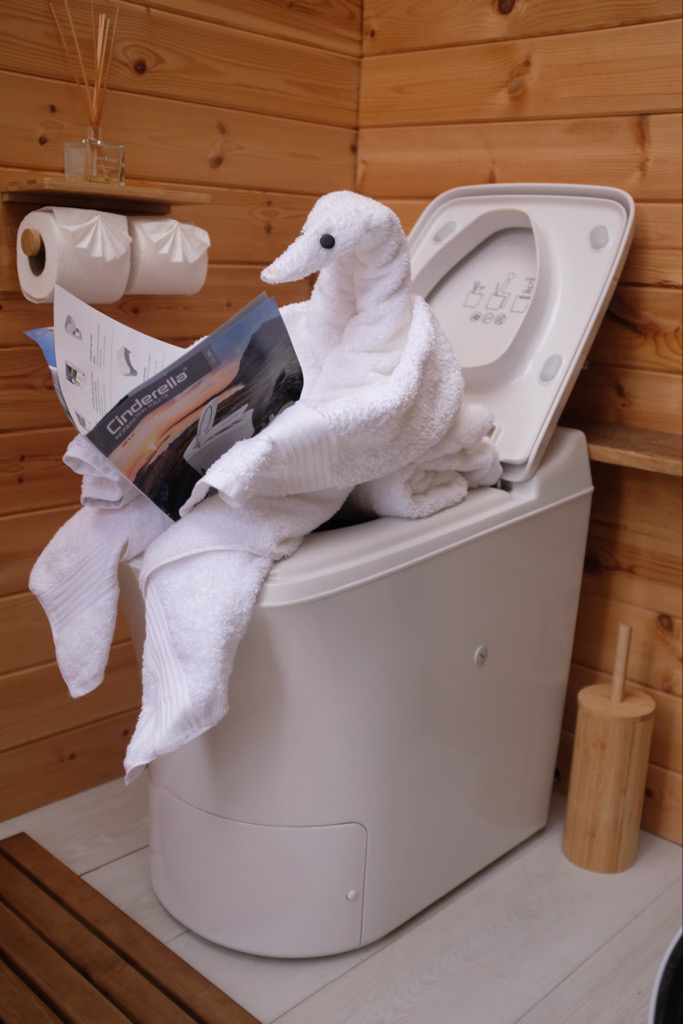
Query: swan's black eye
327,241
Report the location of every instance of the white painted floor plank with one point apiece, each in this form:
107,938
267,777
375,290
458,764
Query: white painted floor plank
91,828
528,922
264,986
269,987
126,882
615,985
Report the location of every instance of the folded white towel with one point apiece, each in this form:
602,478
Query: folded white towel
76,581
103,485
465,457
381,382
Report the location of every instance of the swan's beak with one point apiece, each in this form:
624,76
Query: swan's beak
306,255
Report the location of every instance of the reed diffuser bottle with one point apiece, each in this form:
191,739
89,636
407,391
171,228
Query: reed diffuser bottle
94,159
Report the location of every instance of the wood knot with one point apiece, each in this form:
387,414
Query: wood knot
517,83
506,6
665,622
592,563
140,66
516,86
216,161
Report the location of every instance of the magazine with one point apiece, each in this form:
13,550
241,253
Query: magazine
160,413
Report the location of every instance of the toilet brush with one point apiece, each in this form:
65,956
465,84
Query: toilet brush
609,768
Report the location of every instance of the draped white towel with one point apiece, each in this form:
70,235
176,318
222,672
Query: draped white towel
381,411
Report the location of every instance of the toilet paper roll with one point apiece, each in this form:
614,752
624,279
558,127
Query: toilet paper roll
168,257
85,251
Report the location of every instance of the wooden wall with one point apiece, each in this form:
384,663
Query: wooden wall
478,91
263,103
254,102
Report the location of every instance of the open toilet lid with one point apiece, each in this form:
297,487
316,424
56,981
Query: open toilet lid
520,277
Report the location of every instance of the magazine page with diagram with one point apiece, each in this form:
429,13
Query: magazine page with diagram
162,414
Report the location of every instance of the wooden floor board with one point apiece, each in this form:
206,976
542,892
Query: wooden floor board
88,960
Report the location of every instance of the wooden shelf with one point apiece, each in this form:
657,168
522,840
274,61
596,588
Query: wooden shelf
648,450
114,198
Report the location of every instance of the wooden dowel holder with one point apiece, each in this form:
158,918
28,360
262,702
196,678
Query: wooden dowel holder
31,242
609,769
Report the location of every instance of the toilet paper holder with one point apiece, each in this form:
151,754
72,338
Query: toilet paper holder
32,243
22,194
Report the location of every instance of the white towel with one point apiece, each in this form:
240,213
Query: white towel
381,381
200,580
76,581
382,390
465,457
103,485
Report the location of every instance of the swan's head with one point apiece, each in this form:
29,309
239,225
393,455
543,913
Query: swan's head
339,224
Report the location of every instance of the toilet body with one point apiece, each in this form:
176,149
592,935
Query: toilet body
396,702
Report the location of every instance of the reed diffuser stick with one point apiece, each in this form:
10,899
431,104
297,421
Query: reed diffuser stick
103,36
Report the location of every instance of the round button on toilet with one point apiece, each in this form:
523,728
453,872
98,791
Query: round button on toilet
550,368
599,237
444,231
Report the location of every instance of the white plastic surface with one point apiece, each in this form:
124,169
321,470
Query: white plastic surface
520,277
366,704
274,891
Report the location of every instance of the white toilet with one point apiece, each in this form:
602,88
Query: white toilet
396,703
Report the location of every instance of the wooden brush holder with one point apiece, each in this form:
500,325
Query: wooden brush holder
609,768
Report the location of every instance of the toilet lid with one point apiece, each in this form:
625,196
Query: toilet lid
520,277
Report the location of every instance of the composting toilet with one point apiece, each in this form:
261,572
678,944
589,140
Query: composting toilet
395,705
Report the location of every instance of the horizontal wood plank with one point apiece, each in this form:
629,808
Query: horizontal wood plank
639,154
633,448
334,25
624,70
21,537
392,26
650,504
27,397
645,399
642,330
655,257
639,569
655,655
177,141
32,474
35,702
176,56
55,767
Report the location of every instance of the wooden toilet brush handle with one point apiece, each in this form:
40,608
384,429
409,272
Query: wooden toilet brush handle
620,663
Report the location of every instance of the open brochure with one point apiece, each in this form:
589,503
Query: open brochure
160,413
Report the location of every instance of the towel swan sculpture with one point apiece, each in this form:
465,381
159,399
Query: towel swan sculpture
382,390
